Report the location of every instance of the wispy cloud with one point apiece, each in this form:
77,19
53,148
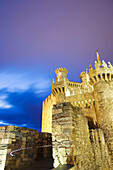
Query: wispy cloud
21,97
4,104
23,125
18,81
3,123
26,108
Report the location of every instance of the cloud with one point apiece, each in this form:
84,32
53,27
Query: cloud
7,124
21,97
4,123
21,81
23,125
4,103
26,108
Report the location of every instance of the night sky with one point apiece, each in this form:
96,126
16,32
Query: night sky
36,37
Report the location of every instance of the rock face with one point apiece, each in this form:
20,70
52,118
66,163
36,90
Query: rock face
74,143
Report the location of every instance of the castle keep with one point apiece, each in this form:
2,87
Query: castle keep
80,118
77,125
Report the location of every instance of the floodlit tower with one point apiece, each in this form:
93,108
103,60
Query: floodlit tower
58,88
102,80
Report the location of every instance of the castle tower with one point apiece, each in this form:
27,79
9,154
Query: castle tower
57,96
59,87
61,76
102,81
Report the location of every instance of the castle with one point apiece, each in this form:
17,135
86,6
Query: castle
80,118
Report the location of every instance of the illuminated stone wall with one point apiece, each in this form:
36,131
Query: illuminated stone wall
63,90
47,114
102,80
94,96
90,150
73,141
20,146
62,133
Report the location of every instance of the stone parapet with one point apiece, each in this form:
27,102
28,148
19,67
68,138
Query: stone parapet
17,146
21,146
74,84
104,73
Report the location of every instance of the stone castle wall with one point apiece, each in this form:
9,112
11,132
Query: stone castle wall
63,90
84,101
62,133
94,97
104,110
47,113
21,146
102,81
18,146
74,143
44,145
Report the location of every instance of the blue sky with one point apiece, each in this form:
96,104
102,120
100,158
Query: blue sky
21,97
36,37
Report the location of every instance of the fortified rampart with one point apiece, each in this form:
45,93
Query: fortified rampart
21,146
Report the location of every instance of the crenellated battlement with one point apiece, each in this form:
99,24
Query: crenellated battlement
104,73
74,84
49,99
58,90
60,69
84,103
61,77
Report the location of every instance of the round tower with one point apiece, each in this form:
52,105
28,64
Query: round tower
102,81
59,86
61,75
